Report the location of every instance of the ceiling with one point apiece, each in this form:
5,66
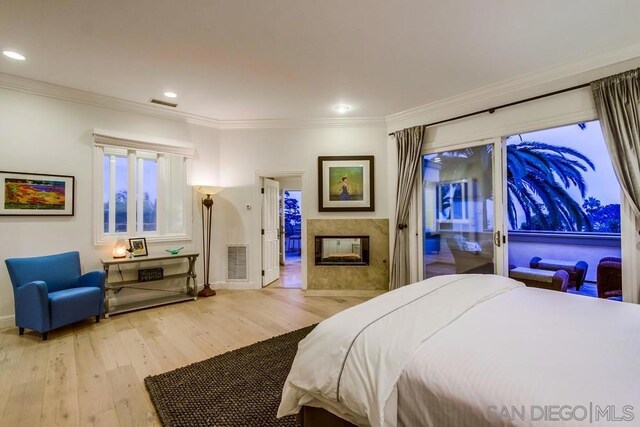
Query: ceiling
296,59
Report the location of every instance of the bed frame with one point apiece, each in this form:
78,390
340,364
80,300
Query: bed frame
318,417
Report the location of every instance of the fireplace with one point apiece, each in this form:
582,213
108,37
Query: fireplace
342,250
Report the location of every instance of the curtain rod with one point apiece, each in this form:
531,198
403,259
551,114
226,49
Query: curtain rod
510,104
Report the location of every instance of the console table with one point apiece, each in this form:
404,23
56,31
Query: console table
115,286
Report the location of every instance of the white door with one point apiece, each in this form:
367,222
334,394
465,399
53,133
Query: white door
270,231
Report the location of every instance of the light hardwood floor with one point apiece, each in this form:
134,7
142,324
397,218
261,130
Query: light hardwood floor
92,374
290,274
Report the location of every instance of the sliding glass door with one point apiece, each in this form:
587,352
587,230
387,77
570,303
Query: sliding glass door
462,227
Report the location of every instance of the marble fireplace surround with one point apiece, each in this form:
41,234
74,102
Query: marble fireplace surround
372,278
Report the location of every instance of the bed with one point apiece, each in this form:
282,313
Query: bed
472,350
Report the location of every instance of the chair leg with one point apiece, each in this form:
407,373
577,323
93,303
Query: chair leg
97,318
45,336
20,331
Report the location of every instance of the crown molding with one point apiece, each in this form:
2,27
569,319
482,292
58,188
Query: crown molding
35,87
304,123
524,86
527,85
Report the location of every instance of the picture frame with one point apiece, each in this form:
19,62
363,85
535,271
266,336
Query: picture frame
346,184
36,194
138,246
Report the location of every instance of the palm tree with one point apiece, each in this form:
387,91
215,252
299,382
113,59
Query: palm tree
538,177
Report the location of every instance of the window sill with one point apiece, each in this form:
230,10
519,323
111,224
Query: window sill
106,240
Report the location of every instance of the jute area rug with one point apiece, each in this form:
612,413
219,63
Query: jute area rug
238,388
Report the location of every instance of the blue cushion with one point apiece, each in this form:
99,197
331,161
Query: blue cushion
60,271
71,305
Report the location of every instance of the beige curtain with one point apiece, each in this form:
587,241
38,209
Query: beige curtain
409,142
617,100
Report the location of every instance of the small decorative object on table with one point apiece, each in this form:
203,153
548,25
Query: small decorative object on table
138,246
120,249
174,251
150,274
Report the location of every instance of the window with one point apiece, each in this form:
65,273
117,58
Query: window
143,187
562,180
452,201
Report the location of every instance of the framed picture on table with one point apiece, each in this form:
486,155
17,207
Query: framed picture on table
138,246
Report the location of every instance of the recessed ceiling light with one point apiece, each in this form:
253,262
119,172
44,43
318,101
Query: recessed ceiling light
342,108
13,55
171,94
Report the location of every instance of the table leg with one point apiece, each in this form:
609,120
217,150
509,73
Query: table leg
106,291
191,278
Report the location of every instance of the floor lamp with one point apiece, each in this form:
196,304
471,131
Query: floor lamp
207,204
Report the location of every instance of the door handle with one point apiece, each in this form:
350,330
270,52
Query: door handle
497,238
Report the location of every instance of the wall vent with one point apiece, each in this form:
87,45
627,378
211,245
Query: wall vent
237,263
165,103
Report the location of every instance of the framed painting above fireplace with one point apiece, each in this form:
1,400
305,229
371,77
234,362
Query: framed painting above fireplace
346,183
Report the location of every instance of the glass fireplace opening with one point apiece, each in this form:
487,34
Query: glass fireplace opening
342,250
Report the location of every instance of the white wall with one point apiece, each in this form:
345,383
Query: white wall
45,135
292,183
248,153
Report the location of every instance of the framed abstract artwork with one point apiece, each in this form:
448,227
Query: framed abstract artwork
346,183
34,194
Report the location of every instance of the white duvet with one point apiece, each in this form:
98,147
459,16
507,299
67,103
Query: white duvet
472,350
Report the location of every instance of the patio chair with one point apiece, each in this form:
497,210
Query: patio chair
609,279
577,269
544,279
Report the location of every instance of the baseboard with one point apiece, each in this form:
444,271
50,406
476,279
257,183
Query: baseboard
234,285
7,320
343,292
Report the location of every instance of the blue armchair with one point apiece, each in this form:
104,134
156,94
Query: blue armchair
50,292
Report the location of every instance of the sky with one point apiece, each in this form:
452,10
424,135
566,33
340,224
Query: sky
150,177
601,183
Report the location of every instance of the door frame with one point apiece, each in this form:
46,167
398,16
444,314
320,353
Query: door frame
258,175
501,259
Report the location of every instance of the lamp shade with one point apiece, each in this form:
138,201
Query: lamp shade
207,189
120,249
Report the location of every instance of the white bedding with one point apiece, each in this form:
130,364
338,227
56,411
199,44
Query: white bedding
532,351
352,361
458,350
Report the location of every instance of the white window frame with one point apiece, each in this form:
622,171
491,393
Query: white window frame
136,149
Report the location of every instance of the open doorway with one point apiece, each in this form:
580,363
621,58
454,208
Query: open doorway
291,248
289,211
